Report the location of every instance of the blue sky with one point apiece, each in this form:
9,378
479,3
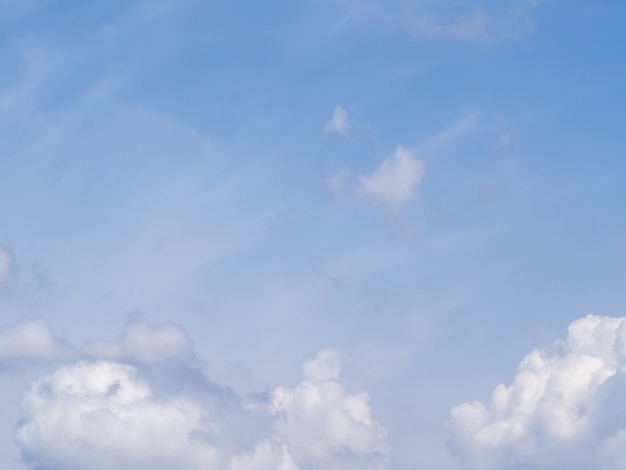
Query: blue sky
407,197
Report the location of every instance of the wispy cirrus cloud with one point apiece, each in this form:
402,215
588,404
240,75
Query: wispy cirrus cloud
480,23
463,21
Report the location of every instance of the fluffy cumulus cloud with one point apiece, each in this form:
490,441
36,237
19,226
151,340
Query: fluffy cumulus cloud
566,407
326,427
109,415
101,415
30,341
339,122
396,180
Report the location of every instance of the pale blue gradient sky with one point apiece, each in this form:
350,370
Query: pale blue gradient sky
168,161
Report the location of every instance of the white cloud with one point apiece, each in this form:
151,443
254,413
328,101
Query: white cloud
339,122
30,341
326,366
566,407
396,180
144,342
100,415
6,267
326,427
106,415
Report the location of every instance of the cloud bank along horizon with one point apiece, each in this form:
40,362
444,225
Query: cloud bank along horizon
146,403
